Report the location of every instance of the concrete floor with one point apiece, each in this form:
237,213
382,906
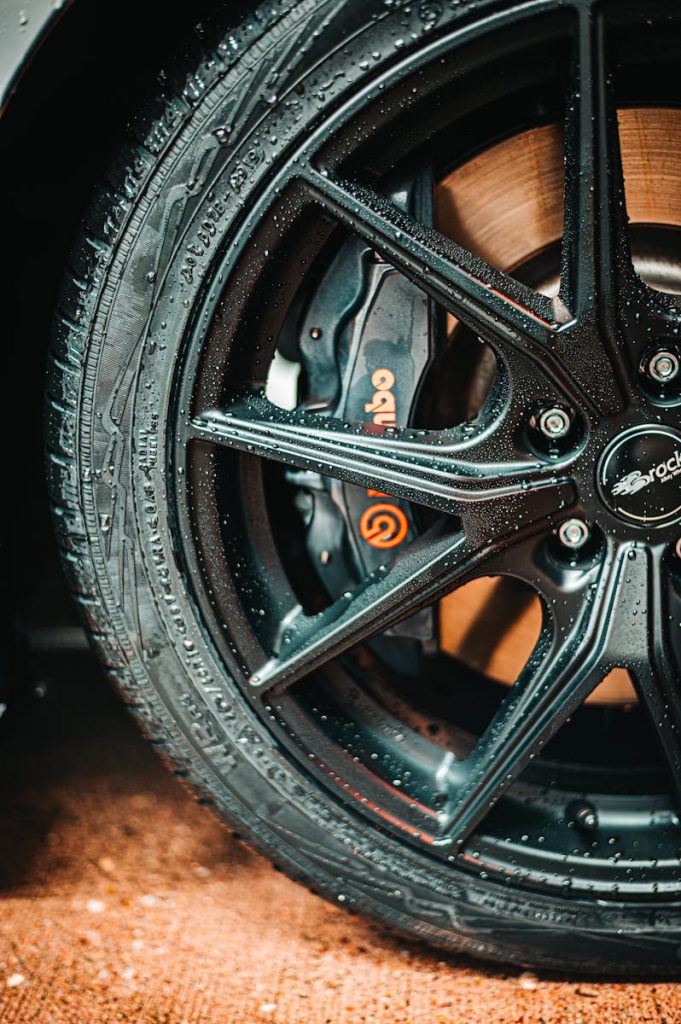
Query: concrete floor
123,900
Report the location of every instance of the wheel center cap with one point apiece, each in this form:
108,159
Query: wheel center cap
639,476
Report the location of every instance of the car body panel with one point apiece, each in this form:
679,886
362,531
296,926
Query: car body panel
23,26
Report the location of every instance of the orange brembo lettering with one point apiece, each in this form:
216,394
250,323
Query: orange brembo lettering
383,525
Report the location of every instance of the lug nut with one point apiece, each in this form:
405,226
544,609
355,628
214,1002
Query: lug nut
573,534
677,549
663,366
554,423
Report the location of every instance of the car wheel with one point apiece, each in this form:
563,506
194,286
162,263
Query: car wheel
364,449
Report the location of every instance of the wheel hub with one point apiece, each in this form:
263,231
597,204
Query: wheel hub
639,476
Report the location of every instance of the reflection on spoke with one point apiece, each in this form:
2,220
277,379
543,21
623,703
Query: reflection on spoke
420,574
427,468
485,298
567,664
597,272
656,655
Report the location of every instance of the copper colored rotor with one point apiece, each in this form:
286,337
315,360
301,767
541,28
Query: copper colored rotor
506,205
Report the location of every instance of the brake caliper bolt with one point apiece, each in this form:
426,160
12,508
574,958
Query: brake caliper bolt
573,534
554,423
663,366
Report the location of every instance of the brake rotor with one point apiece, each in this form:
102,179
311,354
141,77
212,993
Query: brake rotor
506,206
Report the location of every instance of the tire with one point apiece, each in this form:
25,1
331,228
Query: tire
119,334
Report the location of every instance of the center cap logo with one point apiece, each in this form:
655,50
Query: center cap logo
639,476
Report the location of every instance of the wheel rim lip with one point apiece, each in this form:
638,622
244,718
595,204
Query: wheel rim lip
265,203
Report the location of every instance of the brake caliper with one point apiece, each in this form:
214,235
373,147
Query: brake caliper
367,338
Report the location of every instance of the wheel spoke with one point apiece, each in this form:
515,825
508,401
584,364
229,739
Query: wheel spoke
597,266
658,676
426,468
501,310
420,574
597,270
565,666
493,304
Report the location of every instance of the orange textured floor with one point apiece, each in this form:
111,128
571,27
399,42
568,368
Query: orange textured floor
123,900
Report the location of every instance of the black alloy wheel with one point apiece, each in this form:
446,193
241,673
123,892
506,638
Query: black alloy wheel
296,409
